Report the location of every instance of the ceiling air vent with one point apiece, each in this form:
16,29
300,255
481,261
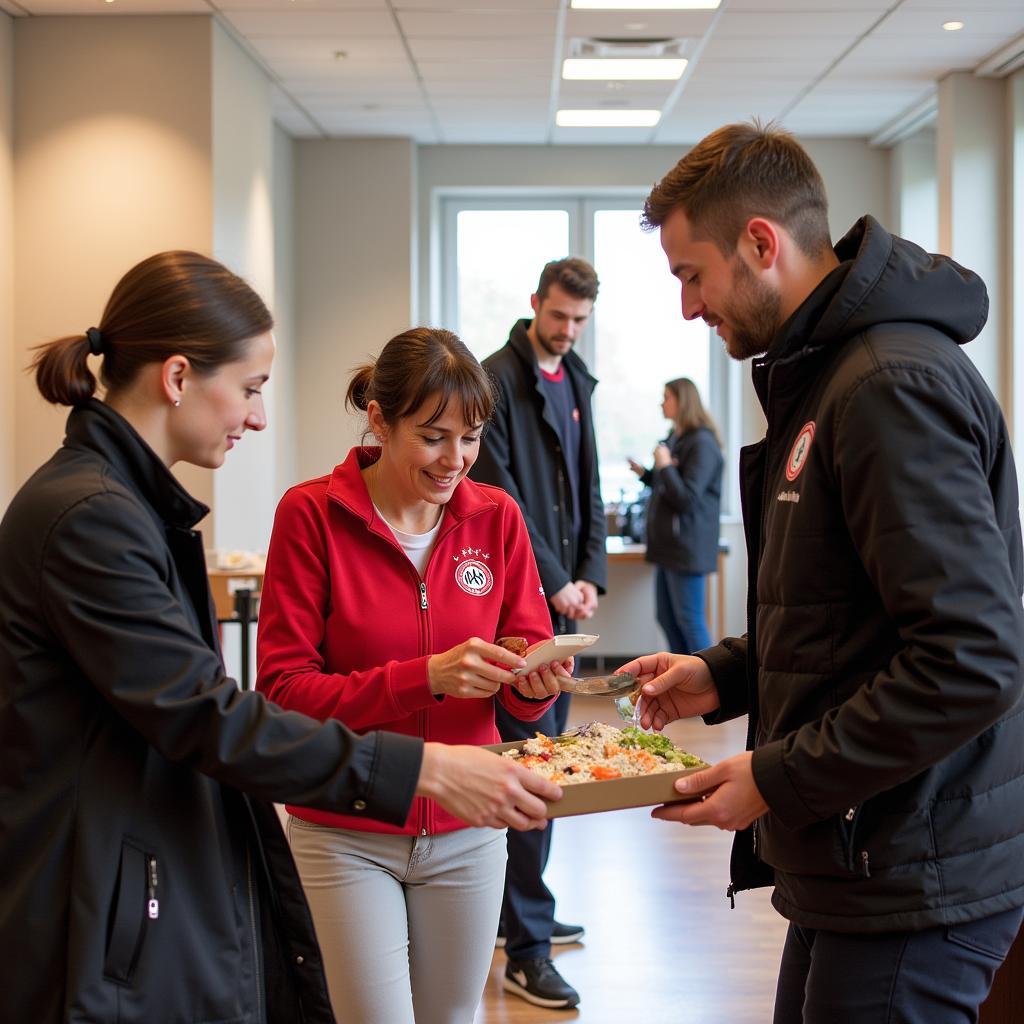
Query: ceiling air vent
1004,61
632,47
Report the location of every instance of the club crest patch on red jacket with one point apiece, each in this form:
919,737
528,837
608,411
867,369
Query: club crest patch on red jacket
798,454
474,577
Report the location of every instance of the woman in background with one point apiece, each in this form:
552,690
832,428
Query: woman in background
145,876
683,515
387,583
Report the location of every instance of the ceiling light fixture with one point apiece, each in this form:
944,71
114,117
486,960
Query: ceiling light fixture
607,118
618,69
645,5
952,26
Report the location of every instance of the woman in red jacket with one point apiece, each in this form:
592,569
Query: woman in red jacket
386,584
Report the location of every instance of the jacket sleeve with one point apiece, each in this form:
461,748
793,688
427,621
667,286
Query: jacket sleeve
682,486
492,467
727,661
524,609
293,612
911,466
111,608
593,559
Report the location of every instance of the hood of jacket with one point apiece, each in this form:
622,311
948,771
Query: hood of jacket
519,342
886,279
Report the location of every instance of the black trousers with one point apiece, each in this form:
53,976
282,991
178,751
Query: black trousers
528,909
937,976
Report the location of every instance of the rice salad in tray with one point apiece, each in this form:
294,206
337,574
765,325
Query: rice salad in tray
596,752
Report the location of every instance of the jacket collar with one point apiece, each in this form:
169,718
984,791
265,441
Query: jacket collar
347,487
519,342
96,427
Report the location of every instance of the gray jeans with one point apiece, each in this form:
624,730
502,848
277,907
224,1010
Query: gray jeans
406,923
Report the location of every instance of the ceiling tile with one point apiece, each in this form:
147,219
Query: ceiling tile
310,23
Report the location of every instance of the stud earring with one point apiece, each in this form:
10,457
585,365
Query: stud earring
177,403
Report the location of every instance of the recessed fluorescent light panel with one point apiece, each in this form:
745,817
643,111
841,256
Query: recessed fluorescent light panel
952,26
645,5
607,118
622,69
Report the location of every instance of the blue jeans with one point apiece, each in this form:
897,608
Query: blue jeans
679,600
936,976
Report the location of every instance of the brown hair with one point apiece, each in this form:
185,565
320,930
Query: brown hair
739,172
417,364
692,413
174,303
572,275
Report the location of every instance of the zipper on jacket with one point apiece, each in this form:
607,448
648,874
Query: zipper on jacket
423,595
864,867
257,965
730,895
152,881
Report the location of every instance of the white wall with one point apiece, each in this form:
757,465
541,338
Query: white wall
111,164
283,308
355,226
915,190
1014,199
247,486
857,181
7,360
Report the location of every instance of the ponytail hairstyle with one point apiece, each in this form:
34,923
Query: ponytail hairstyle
174,303
418,364
692,413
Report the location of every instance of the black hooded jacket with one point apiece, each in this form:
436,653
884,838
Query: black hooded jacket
138,882
883,667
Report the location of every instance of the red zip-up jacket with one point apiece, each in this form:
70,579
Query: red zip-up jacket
346,625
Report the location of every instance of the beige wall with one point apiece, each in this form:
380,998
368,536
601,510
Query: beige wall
354,231
7,361
284,307
111,164
247,486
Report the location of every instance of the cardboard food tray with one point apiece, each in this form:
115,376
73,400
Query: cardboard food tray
612,794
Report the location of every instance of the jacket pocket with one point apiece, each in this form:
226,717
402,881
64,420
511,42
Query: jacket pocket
857,861
135,903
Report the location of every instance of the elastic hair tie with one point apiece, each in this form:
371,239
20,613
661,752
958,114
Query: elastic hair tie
95,339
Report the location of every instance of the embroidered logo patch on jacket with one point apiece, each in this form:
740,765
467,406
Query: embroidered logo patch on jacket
474,577
798,455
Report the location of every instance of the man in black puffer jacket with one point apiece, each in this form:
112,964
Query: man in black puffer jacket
882,792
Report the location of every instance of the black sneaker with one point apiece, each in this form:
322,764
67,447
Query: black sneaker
561,934
539,983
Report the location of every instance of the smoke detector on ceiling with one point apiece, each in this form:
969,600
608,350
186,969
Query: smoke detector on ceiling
631,47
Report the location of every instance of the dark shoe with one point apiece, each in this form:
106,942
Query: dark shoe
561,934
539,983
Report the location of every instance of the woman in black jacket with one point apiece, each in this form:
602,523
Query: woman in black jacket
145,876
682,515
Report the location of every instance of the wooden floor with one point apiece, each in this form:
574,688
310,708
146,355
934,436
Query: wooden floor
661,944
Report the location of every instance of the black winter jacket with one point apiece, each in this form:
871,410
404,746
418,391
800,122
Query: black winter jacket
521,453
685,505
138,882
883,668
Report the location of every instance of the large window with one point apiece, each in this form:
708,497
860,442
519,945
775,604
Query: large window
492,254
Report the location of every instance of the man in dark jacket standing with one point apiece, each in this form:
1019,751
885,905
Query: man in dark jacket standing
882,791
540,447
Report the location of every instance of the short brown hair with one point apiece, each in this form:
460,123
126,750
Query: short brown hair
174,303
743,171
417,364
572,275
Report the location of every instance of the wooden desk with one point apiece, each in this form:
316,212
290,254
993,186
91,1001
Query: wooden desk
623,550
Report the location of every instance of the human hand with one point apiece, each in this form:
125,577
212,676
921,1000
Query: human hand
729,797
636,467
662,456
484,789
588,592
472,670
544,682
567,601
672,686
